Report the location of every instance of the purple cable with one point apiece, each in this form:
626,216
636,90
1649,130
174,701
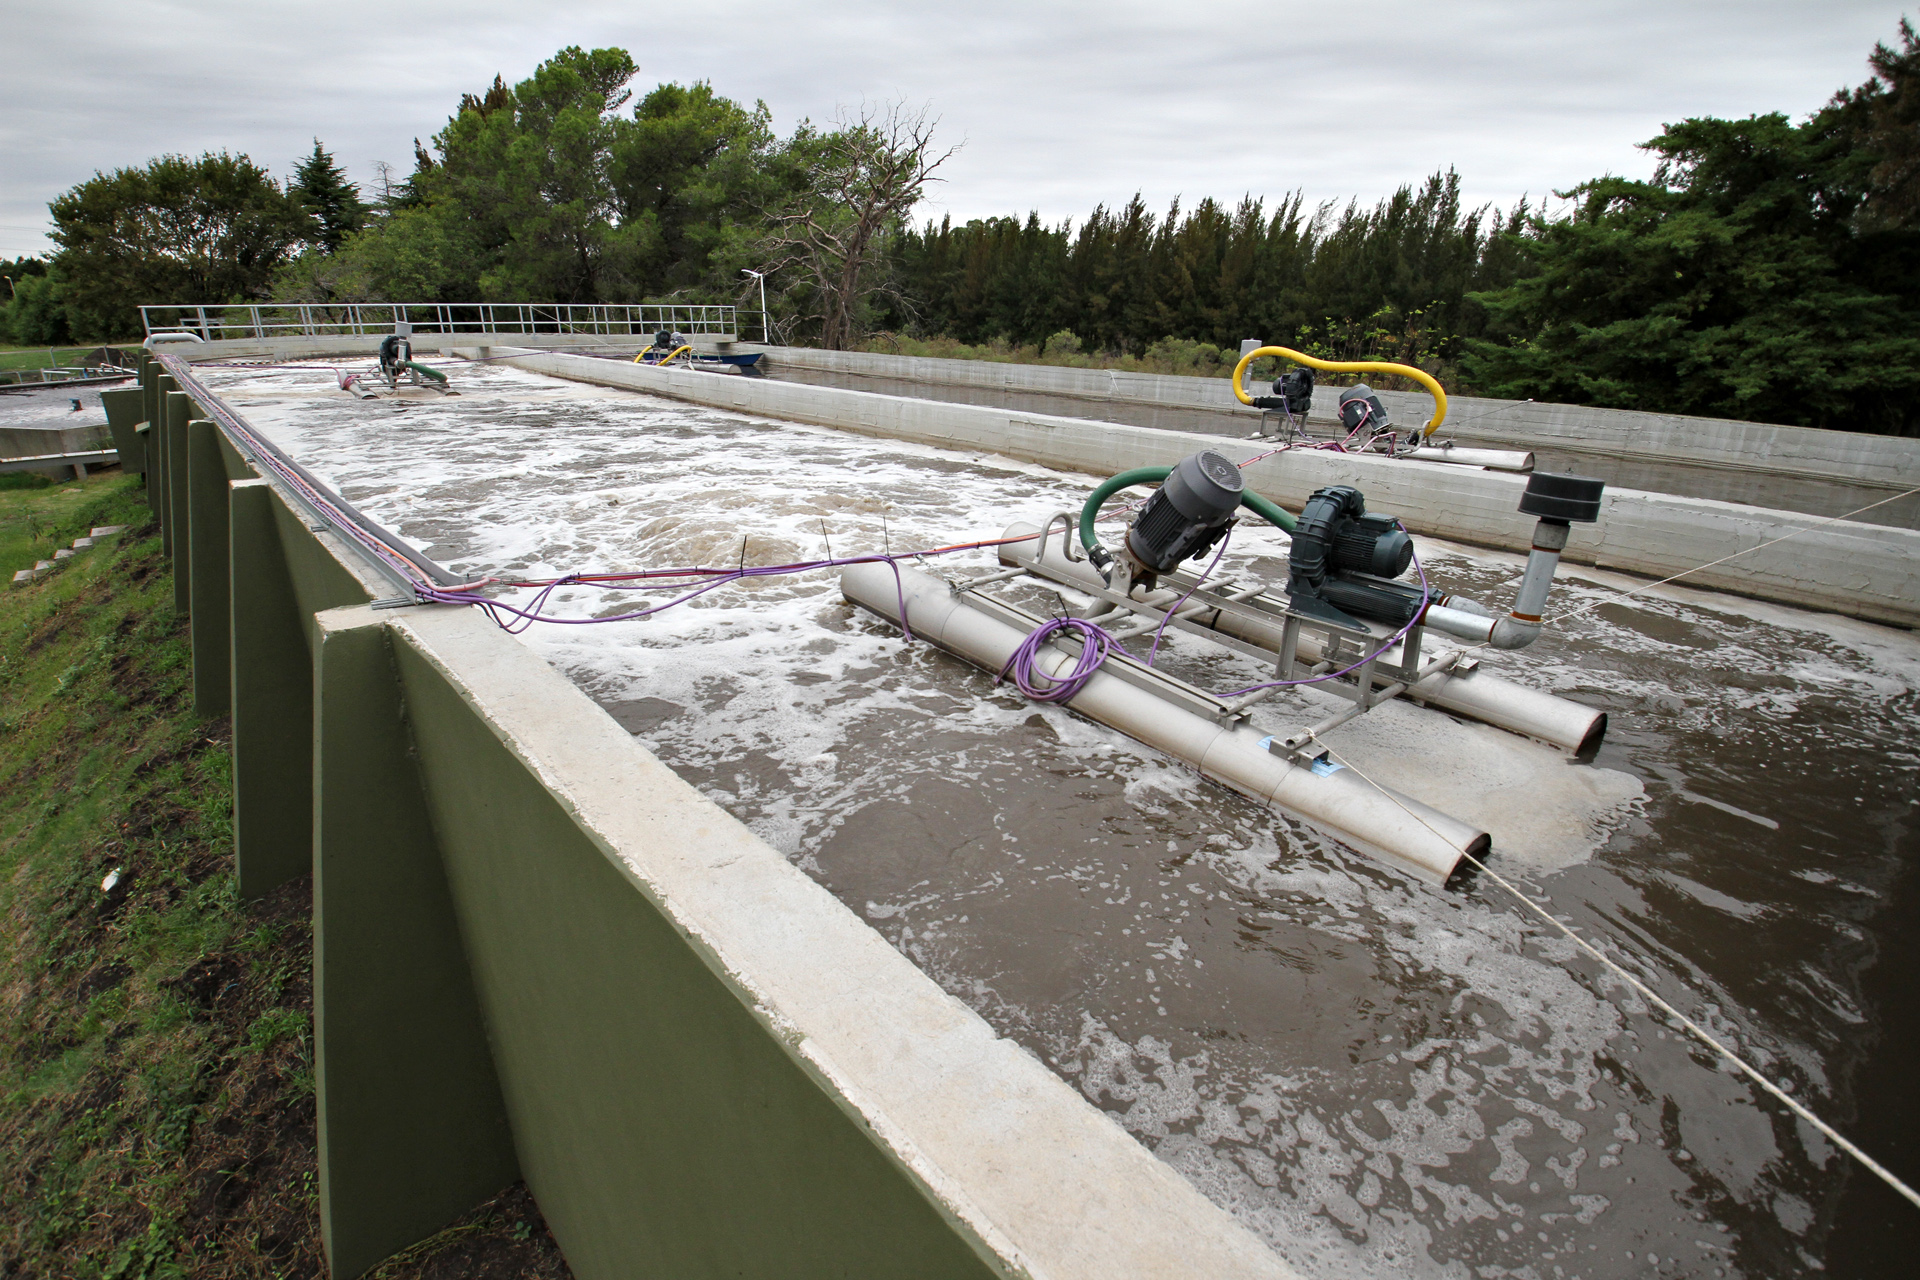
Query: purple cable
1168,616
524,617
1095,643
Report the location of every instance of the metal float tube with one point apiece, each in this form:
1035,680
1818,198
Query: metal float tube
1176,718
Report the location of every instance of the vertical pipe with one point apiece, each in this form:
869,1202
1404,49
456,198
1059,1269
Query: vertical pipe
1549,540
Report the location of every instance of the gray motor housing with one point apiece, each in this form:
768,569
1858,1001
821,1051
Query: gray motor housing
1188,513
1360,404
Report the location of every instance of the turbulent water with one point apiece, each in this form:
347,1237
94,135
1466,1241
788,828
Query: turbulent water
1382,1078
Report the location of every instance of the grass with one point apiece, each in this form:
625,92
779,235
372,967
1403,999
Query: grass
12,357
32,529
156,1062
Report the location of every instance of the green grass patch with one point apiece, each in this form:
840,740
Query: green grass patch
156,1056
33,528
12,357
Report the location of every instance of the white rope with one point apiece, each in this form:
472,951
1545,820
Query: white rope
1701,1033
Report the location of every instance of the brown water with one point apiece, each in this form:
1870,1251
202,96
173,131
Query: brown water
1725,484
1381,1078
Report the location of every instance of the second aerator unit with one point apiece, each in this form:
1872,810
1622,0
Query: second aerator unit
1347,621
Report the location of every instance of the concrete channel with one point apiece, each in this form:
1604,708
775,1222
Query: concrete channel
692,960
540,954
1822,473
1866,571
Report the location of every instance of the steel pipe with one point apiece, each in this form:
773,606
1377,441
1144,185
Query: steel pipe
1395,828
1491,459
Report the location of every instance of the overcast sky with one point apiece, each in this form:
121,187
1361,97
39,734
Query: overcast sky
1061,106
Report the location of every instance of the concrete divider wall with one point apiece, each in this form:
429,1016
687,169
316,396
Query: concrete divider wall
539,953
355,345
31,442
1885,461
1867,571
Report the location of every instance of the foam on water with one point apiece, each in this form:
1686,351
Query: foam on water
1382,1079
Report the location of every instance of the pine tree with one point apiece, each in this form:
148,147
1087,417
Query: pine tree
331,201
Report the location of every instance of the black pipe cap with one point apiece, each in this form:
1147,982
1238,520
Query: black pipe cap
1575,499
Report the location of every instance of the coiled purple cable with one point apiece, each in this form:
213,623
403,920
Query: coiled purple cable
1095,643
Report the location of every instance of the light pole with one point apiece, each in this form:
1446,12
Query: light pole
761,276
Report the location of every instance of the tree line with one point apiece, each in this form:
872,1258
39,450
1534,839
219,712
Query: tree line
1769,270
1391,282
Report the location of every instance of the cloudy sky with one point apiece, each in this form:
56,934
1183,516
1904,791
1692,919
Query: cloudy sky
1061,106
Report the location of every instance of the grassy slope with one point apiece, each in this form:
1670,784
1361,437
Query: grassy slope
156,1081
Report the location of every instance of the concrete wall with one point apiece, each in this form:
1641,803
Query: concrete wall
34,442
541,954
1867,571
349,346
1883,461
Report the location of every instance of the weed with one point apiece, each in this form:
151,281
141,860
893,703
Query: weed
275,1025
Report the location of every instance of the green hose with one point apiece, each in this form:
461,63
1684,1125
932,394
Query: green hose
1266,510
1139,475
421,369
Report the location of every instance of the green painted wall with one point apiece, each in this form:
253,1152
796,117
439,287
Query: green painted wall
663,1130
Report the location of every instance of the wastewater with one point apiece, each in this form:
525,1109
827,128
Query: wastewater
1381,1078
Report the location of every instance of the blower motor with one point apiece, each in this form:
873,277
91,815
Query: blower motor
1292,391
1187,514
1344,558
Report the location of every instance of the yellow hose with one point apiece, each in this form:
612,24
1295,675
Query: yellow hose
677,351
1420,376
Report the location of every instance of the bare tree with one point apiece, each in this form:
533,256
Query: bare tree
862,181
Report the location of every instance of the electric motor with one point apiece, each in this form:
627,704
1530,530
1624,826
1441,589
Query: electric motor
395,352
1372,544
1360,406
1188,513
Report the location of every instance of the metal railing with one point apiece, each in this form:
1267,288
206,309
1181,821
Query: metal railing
316,319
